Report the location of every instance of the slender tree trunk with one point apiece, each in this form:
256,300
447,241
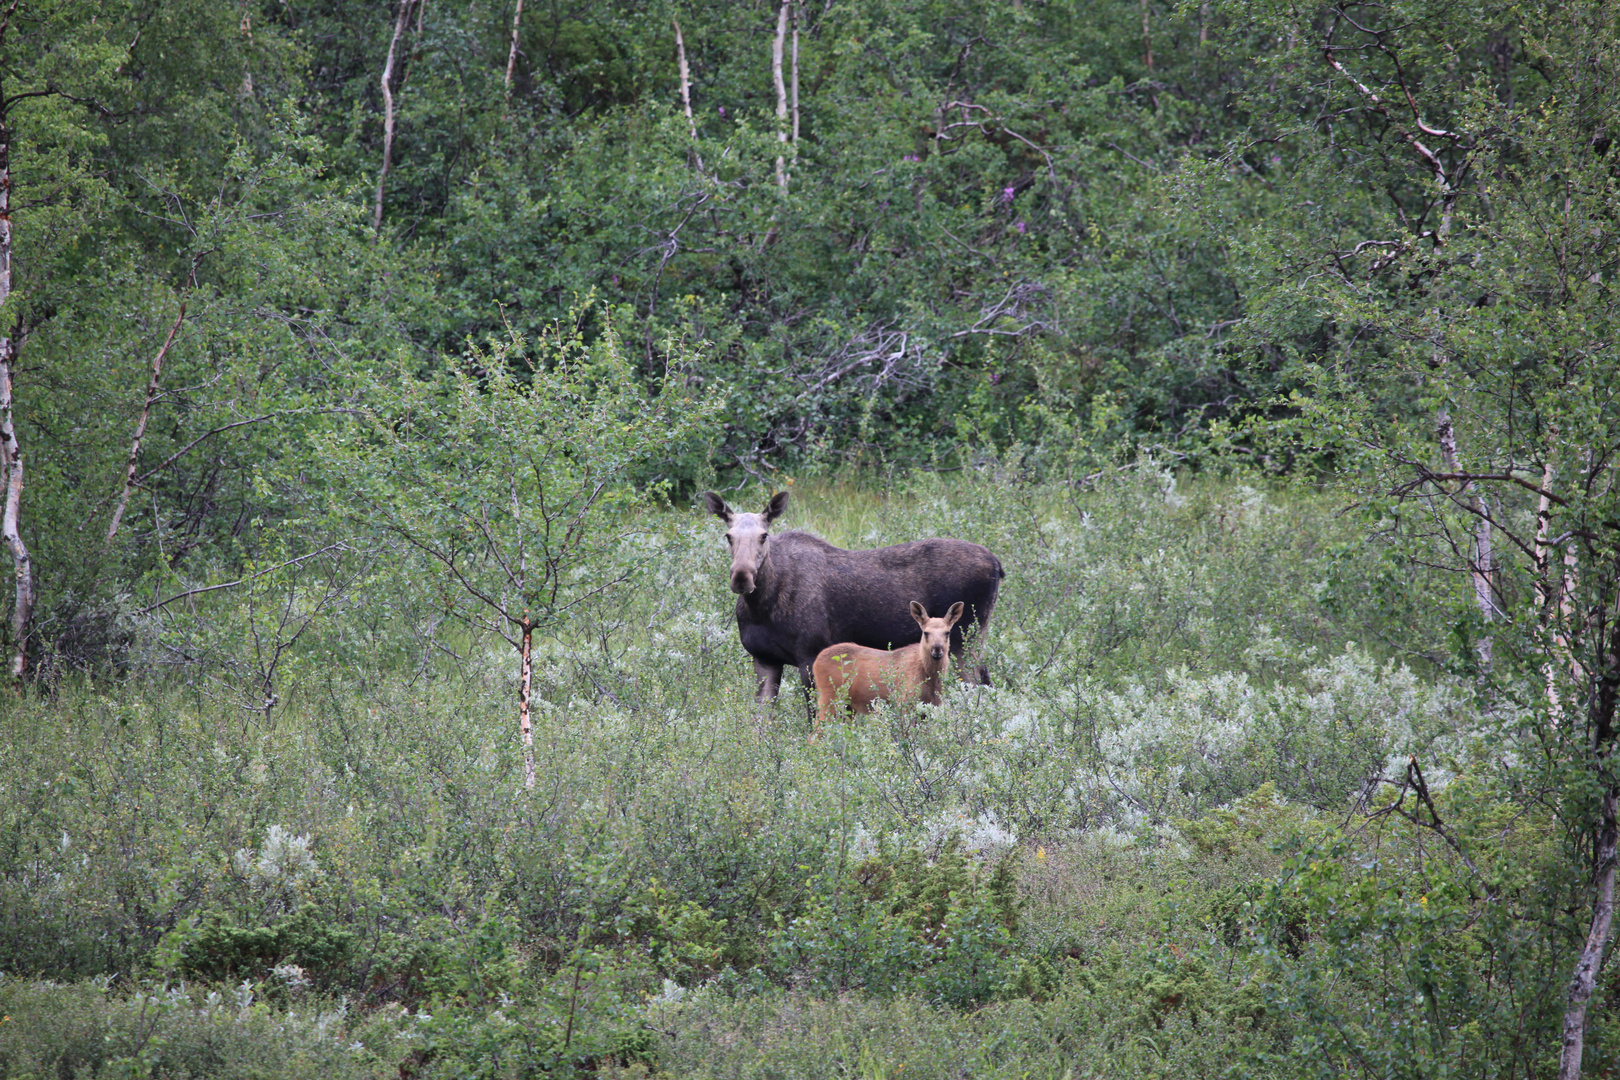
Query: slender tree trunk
778,44
1547,594
1480,554
140,427
1147,36
1590,961
798,11
686,90
525,680
402,21
11,459
10,522
1601,716
511,56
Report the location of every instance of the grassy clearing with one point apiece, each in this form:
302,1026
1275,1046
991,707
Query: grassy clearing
1038,879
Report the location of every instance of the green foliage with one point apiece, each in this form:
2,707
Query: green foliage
220,951
511,478
1084,854
87,1030
904,923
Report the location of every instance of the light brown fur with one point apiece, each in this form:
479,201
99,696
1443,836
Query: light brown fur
908,674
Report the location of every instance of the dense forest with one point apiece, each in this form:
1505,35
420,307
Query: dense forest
378,709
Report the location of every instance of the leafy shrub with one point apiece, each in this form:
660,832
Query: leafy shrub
219,950
901,922
170,1032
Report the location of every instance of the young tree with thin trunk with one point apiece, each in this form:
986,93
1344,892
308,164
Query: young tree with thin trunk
401,20
686,89
778,45
11,456
511,479
512,53
134,459
798,17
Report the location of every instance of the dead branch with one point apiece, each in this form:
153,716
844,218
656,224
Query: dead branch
140,427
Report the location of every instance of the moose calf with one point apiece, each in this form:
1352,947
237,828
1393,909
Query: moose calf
910,673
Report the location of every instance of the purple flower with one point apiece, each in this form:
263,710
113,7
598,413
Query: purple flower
911,157
1007,194
995,377
722,112
1020,228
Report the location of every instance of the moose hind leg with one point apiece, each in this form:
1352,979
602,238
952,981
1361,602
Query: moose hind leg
967,653
807,681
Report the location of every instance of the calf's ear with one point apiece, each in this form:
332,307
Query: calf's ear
774,508
919,613
952,615
717,506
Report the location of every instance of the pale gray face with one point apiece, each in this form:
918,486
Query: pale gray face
748,538
936,633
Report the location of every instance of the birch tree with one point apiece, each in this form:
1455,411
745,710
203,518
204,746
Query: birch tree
11,458
508,476
512,52
402,19
778,45
1473,360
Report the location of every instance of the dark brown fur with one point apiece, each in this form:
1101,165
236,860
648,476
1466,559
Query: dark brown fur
798,594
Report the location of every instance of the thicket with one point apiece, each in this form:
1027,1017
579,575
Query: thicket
365,861
358,370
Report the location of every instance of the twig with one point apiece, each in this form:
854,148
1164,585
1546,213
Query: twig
239,581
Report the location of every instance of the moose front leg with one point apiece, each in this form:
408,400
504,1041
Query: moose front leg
767,681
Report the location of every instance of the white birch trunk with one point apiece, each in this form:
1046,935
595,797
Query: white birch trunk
778,44
525,680
686,90
1590,963
140,428
400,23
798,11
11,459
1547,595
511,56
10,522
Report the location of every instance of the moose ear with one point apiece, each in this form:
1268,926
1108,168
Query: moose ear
919,613
717,506
955,613
774,508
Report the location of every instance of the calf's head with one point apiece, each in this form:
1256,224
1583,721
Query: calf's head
936,633
748,536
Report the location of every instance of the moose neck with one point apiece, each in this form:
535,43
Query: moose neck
931,673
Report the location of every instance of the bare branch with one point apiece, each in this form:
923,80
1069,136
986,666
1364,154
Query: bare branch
140,426
239,581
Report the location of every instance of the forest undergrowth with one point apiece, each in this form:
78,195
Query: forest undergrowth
1093,868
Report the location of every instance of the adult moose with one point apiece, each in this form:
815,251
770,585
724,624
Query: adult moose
797,594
